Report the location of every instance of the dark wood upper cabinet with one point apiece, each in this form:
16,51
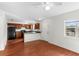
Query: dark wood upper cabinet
28,26
11,25
37,26
18,26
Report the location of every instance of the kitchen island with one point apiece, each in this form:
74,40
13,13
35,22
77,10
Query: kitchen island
31,36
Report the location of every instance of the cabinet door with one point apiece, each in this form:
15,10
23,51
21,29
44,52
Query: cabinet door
11,25
28,26
18,26
18,34
37,26
31,37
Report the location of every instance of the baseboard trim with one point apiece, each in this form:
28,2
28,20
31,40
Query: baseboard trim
63,47
2,49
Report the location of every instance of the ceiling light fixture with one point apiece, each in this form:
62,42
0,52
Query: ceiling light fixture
47,5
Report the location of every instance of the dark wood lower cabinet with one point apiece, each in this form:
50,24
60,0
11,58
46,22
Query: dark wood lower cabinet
19,35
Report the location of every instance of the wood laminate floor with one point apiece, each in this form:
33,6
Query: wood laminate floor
36,48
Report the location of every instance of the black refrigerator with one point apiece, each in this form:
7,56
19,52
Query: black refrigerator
11,33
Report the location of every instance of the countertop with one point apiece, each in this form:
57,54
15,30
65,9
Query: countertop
31,31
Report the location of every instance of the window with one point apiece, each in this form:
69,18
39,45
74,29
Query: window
71,28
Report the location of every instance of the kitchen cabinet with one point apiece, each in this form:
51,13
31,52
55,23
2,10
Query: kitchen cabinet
18,26
11,25
37,26
18,34
28,26
31,37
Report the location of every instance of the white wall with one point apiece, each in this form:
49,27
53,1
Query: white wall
45,29
57,31
3,30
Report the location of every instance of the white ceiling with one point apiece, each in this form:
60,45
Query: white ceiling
34,10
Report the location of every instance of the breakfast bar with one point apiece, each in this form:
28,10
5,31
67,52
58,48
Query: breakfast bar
31,36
